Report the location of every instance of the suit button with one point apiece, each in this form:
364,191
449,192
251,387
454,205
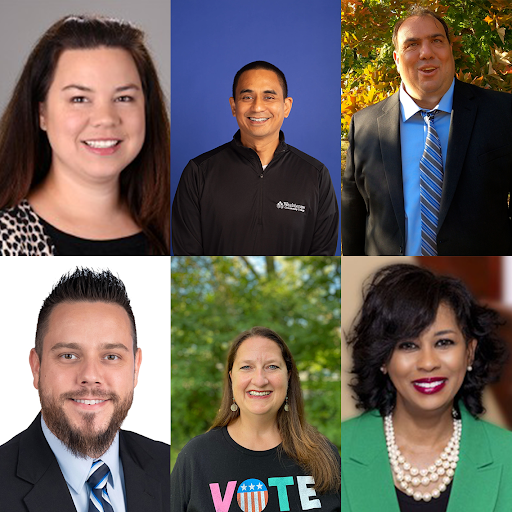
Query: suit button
261,175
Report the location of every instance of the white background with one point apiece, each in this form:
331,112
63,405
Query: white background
24,284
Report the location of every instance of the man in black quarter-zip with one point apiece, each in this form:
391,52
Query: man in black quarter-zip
256,195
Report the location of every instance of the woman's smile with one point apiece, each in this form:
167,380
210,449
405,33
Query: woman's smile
253,393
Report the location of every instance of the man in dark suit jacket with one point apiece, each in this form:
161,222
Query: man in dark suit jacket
85,366
381,211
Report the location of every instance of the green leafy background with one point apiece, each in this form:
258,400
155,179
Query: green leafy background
216,298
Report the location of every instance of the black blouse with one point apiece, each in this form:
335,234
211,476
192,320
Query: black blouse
409,504
69,245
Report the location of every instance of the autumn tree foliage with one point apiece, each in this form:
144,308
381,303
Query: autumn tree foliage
482,47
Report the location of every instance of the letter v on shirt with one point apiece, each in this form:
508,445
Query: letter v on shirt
252,494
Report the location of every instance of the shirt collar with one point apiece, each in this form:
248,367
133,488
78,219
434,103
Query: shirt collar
408,107
280,148
75,469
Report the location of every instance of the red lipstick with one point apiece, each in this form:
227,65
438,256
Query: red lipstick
429,386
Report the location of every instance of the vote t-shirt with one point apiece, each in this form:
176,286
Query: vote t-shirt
215,474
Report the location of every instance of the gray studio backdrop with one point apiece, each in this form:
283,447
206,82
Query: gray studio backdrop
23,22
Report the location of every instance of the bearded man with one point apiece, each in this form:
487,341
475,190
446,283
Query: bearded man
85,366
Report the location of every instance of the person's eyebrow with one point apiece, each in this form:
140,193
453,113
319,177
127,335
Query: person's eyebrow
446,331
114,346
58,346
250,361
88,89
77,346
432,36
127,87
79,87
268,91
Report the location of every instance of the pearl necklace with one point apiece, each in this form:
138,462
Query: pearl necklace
410,477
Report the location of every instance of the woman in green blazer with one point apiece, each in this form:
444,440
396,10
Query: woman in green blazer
423,351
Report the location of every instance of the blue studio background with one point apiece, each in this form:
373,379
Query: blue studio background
211,41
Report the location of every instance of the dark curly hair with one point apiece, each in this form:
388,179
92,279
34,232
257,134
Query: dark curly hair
400,302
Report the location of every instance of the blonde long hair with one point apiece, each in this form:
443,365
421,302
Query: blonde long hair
300,441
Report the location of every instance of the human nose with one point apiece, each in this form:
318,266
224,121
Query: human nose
259,378
258,105
105,114
426,51
427,359
89,372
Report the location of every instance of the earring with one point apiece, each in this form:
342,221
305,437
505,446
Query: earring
383,370
234,407
286,407
470,368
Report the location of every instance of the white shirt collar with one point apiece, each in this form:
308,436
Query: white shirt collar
76,469
408,107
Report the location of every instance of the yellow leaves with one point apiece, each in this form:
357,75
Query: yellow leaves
348,104
349,39
369,87
477,80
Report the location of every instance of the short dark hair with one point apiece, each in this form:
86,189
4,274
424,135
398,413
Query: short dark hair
261,64
84,285
418,10
400,302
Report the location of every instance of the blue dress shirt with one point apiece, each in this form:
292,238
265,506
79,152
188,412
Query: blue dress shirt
413,134
75,471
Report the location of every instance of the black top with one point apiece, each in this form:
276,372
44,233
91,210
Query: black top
213,473
69,245
226,204
409,504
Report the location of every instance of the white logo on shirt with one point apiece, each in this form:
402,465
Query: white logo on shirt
284,205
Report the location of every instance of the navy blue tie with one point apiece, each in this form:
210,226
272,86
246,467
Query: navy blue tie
431,186
97,479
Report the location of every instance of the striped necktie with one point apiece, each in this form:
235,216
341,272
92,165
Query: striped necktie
431,186
97,479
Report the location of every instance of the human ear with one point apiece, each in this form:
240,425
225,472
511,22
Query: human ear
287,106
396,58
138,360
233,106
35,366
42,118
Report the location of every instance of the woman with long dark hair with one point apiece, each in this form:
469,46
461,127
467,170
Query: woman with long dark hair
84,146
259,452
423,350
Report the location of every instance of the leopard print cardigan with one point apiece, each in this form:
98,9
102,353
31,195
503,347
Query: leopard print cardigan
22,233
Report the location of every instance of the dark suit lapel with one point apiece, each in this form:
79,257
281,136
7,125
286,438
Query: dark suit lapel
367,474
390,147
38,465
477,477
464,110
143,492
50,492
